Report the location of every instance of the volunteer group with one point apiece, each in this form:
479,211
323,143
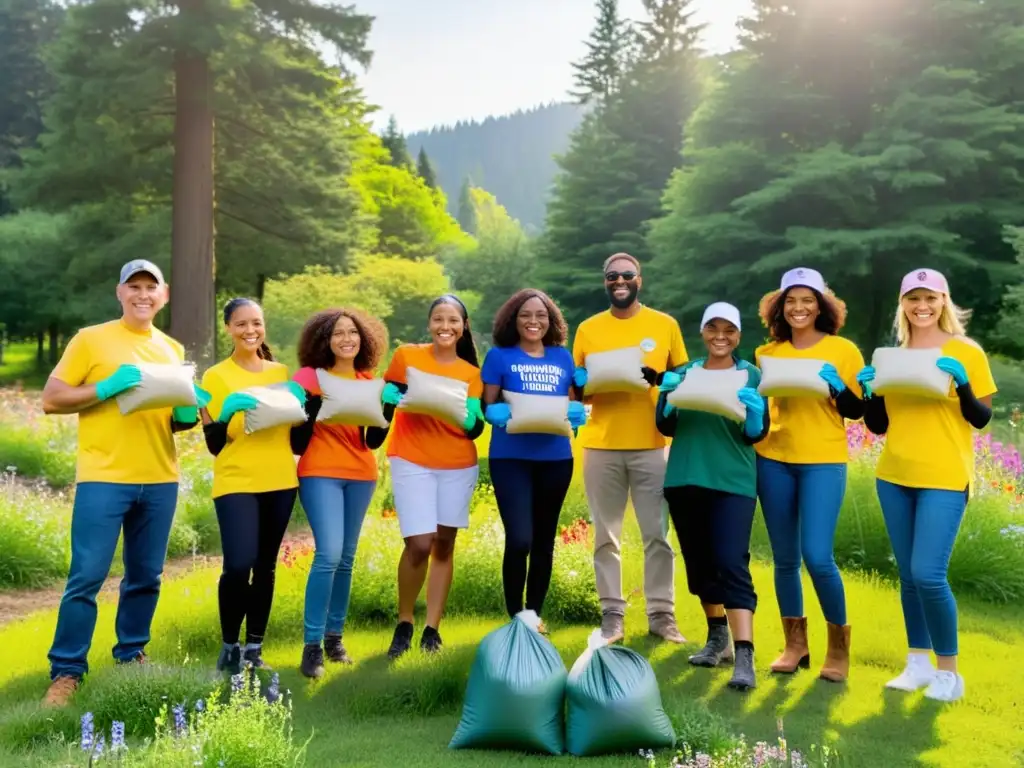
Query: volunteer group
789,452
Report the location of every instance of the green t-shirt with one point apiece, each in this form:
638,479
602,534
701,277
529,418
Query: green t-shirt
710,451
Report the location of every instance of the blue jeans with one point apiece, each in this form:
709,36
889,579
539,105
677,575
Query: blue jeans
923,524
800,504
335,509
101,511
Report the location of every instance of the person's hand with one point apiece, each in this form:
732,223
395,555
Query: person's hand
391,394
298,391
235,403
474,413
650,375
313,405
754,404
830,375
668,410
864,377
954,368
189,414
577,414
669,381
126,377
498,414
579,376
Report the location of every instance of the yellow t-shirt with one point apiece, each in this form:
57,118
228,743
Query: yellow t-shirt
809,430
254,463
137,448
621,421
929,443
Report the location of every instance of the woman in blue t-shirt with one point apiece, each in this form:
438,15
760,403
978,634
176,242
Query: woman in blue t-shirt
531,472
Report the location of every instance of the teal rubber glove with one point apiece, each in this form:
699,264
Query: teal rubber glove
391,394
189,414
669,381
668,410
830,375
579,377
474,413
236,402
577,414
126,377
864,377
299,391
754,404
954,368
498,415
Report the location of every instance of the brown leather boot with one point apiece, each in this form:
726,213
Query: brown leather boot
837,660
797,654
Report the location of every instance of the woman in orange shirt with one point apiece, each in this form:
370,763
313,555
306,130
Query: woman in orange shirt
433,468
337,474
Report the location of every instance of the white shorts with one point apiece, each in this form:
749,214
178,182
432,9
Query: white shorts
426,498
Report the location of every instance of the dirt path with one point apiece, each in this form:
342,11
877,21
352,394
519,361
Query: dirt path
17,604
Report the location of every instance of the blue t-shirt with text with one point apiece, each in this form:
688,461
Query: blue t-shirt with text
515,371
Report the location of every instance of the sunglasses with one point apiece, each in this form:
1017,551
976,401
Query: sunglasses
612,277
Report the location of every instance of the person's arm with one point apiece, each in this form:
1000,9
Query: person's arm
766,425
976,411
666,424
849,405
300,434
677,356
65,391
876,418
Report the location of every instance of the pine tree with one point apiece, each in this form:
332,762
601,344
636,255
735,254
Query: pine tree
394,141
597,75
466,215
425,169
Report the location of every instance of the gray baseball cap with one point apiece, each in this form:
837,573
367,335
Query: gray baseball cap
138,267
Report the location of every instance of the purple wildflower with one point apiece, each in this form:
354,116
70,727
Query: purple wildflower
200,705
97,750
117,736
179,719
237,683
87,731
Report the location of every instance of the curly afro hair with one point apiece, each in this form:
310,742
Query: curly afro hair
506,334
831,317
315,341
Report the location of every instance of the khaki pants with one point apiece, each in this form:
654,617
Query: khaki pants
611,478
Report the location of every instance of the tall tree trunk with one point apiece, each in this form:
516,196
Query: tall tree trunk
54,346
192,232
40,348
261,285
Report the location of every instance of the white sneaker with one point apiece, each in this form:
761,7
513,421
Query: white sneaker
947,686
918,673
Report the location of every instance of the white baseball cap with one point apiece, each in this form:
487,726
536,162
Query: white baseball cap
722,311
924,278
804,277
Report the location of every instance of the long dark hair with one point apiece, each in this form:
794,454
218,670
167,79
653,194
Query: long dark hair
315,342
506,334
464,347
263,352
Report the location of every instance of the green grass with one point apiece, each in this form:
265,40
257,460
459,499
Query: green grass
19,366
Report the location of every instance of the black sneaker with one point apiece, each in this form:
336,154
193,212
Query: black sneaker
230,660
402,641
312,661
254,655
431,640
334,650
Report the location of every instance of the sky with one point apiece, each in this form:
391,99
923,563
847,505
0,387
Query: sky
440,61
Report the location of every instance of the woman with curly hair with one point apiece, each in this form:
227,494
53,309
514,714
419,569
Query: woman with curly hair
801,464
337,474
531,472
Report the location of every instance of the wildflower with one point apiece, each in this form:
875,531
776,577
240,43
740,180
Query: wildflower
237,683
98,748
117,736
200,705
179,719
87,731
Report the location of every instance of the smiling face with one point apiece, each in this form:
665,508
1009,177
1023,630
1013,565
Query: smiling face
345,339
622,281
720,337
532,320
445,325
801,308
141,298
923,307
245,326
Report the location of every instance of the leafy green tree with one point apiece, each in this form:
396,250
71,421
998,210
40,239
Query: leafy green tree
597,75
467,208
425,169
394,141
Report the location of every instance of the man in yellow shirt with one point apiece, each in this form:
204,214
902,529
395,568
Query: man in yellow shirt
623,456
127,475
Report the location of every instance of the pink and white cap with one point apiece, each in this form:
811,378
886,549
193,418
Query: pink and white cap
924,278
804,277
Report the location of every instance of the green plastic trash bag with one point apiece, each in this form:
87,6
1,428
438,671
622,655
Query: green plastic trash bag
614,703
515,698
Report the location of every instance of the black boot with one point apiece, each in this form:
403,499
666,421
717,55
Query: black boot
431,640
402,640
716,650
312,661
334,650
743,677
230,659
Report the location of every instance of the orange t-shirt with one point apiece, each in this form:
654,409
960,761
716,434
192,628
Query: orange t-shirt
335,450
421,439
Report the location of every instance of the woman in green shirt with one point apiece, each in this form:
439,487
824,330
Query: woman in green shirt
711,490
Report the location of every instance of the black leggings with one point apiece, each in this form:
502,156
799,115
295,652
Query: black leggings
252,526
529,496
714,535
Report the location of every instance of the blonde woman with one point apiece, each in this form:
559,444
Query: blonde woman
925,473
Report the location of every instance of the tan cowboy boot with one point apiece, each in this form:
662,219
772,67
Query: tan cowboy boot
837,660
797,654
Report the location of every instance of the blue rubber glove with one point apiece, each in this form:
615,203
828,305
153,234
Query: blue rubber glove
577,414
579,377
235,402
126,377
830,375
669,381
299,391
474,413
668,410
391,394
864,377
754,404
498,414
954,368
189,414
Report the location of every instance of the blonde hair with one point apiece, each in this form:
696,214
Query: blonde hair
953,320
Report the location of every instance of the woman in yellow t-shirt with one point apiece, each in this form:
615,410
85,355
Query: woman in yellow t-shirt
801,464
254,483
925,473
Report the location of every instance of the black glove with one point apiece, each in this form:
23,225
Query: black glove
650,375
313,405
